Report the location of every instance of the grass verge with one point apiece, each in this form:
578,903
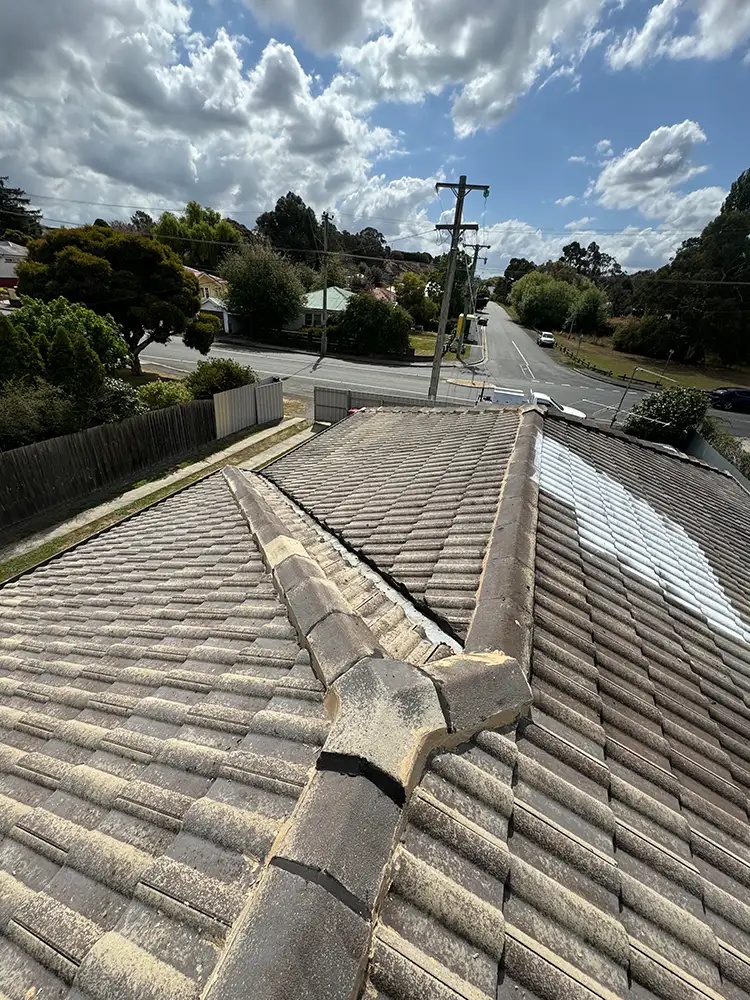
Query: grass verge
605,357
424,343
19,564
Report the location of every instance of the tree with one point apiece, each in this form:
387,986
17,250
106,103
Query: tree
40,322
20,360
15,214
591,261
372,326
590,310
542,302
307,276
411,294
294,228
139,281
517,269
142,222
200,236
738,199
73,366
202,331
669,416
218,375
264,289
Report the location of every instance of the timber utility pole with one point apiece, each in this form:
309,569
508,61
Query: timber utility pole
477,248
460,190
324,336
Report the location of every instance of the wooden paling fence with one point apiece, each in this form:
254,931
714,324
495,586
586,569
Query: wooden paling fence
42,477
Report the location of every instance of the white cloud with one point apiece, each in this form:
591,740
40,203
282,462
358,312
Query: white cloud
567,200
402,50
641,177
717,28
125,104
577,159
604,149
578,224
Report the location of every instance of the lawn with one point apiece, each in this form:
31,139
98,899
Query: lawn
600,352
424,343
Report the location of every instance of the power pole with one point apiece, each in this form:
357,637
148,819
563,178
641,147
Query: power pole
476,247
460,190
324,337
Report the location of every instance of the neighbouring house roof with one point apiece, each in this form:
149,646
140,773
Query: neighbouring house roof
337,300
383,294
212,305
205,274
444,704
10,256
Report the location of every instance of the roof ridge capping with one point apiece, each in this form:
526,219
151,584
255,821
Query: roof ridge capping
331,865
387,714
504,613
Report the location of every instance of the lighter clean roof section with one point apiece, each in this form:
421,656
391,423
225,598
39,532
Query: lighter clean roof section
611,520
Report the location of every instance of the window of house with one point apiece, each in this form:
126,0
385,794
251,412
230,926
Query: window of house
308,319
318,319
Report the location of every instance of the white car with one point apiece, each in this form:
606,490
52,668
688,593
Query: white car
545,340
542,399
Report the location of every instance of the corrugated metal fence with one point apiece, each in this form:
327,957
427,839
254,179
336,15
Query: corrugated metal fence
332,405
698,447
249,405
50,474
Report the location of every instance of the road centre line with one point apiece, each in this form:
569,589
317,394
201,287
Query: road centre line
528,373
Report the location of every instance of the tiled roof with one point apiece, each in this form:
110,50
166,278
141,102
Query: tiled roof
553,807
413,491
601,847
158,719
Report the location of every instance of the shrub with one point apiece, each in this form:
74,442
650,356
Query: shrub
374,327
651,336
219,375
115,401
202,331
590,311
159,395
668,416
30,413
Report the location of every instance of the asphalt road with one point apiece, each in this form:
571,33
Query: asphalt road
514,361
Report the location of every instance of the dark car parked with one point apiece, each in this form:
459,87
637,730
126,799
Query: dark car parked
731,399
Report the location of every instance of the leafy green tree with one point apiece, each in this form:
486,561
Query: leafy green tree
307,276
202,331
738,199
669,416
590,261
372,326
518,268
41,320
138,281
20,360
161,394
200,236
15,215
142,222
73,365
590,310
542,302
218,375
293,227
338,274
264,289
411,294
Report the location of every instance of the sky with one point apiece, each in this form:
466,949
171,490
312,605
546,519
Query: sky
620,121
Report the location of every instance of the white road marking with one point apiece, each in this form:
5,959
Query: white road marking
528,373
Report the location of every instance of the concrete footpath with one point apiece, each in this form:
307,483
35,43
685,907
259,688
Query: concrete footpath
277,440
